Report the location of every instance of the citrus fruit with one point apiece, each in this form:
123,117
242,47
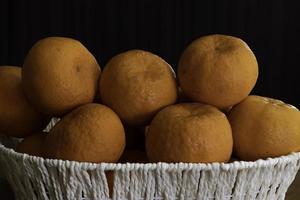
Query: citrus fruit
32,144
264,127
189,132
18,118
59,74
218,70
90,133
136,84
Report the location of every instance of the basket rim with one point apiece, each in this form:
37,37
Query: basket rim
150,166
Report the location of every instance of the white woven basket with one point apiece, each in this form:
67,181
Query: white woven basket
37,178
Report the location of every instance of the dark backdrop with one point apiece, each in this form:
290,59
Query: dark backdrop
271,28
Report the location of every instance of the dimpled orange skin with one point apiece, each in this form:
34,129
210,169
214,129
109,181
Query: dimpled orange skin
136,84
32,144
90,133
218,70
264,127
59,74
18,118
189,132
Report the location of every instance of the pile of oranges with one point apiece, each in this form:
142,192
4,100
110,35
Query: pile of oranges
203,115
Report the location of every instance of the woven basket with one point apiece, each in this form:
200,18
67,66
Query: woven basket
38,178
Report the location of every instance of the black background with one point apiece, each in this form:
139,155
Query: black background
271,28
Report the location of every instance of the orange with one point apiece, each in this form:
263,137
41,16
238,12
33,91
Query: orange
59,74
189,132
32,144
218,70
18,118
264,127
137,84
90,133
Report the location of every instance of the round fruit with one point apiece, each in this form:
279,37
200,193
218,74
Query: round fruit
90,133
32,144
264,127
189,132
134,156
59,74
18,118
218,70
137,84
